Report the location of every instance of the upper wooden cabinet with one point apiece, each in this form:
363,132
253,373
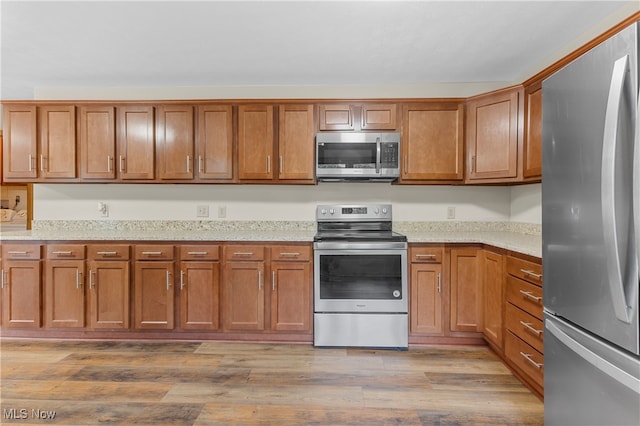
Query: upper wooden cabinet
97,139
494,138
432,142
214,143
136,142
175,142
367,116
532,169
255,142
296,143
39,142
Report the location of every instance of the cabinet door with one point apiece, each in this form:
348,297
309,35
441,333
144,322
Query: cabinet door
255,142
295,144
20,142
109,294
291,296
153,295
492,136
57,141
64,294
426,299
21,297
533,133
175,142
243,296
136,142
199,295
432,142
379,117
335,117
466,290
215,142
493,298
97,142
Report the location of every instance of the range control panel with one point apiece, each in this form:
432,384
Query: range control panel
353,212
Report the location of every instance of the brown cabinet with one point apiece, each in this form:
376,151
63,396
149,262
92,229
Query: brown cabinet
153,286
493,296
175,142
136,142
532,168
291,283
199,291
426,291
20,142
97,142
366,116
432,142
494,136
466,289
255,142
214,143
296,149
64,292
57,141
109,286
21,285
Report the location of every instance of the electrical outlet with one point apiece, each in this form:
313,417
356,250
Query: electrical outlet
202,211
451,212
222,211
103,208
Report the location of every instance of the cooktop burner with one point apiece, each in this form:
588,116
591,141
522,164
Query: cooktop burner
363,222
360,236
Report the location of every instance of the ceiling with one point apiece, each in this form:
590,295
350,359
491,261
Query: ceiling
268,43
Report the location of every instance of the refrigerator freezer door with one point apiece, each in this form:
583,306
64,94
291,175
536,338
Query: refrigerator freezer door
589,250
587,381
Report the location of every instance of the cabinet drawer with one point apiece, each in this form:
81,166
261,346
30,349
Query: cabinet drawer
525,270
200,252
525,326
529,360
154,252
109,252
524,295
291,253
21,251
426,254
244,252
66,251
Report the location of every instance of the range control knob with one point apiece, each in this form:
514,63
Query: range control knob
323,211
376,210
396,293
384,210
331,211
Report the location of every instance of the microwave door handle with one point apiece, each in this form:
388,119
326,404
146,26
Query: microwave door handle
377,156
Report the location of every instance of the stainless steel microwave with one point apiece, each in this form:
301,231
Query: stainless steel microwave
345,156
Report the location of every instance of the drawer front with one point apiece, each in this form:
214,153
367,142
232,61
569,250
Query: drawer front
154,252
66,251
21,251
109,252
525,326
426,254
244,252
291,253
524,295
200,252
525,270
529,360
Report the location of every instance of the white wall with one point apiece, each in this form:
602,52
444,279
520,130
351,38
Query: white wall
526,203
270,202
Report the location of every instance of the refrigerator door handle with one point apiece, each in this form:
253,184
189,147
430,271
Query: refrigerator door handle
600,363
635,184
609,226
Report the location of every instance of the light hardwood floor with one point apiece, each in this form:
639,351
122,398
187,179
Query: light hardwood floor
188,383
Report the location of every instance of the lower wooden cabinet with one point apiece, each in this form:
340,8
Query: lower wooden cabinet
291,291
243,289
466,289
153,284
493,298
199,289
64,291
426,291
21,285
109,286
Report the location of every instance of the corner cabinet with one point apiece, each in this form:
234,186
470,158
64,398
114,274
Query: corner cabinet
492,298
532,169
494,137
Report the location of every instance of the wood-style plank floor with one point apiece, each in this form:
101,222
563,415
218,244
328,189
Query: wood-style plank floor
211,383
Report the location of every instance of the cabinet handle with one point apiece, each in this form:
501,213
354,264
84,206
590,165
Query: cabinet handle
289,254
30,162
273,281
181,280
260,280
18,253
107,253
406,164
528,358
531,273
197,253
2,277
243,253
78,278
42,158
63,253
439,283
188,163
122,160
530,295
428,256
151,253
280,165
109,163
168,280
91,275
268,164
200,166
529,327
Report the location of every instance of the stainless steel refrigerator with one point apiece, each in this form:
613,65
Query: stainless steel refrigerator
591,237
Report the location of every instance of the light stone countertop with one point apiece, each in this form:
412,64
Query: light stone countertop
522,238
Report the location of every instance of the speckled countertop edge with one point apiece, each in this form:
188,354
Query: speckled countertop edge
520,237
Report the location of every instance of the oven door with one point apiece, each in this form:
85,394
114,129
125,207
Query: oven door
361,277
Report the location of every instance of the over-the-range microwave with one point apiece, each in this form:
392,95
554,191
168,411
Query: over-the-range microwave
357,156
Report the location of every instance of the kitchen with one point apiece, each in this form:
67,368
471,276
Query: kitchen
504,207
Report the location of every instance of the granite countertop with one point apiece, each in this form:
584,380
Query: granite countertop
522,238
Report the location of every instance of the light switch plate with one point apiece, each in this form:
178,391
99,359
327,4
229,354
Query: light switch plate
202,211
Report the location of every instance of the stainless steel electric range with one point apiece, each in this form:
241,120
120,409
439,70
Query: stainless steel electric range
360,278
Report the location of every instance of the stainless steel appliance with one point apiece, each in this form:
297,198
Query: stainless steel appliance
360,278
591,237
357,156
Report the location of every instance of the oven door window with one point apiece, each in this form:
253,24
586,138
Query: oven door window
347,155
361,277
